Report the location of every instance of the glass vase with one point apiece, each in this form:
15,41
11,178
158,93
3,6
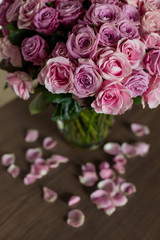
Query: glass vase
88,131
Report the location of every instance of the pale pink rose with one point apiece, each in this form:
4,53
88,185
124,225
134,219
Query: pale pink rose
113,98
133,2
152,61
134,50
152,95
114,65
11,52
27,13
57,75
13,10
151,21
152,40
148,5
21,83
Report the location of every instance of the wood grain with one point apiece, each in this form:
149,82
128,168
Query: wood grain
25,216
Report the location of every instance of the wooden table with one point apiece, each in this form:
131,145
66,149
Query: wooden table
25,216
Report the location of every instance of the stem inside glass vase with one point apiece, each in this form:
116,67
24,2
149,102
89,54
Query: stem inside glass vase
89,130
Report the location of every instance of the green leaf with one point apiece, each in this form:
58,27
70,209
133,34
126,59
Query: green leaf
38,104
56,98
137,100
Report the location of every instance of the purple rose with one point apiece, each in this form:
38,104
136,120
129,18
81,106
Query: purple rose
13,10
3,9
46,20
60,50
152,61
109,35
128,30
34,49
131,13
116,2
82,42
87,79
98,14
69,11
137,83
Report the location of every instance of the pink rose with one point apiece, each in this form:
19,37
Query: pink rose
116,2
152,61
137,83
114,65
57,75
152,95
134,50
60,50
152,40
13,10
99,14
131,13
148,5
34,49
133,2
69,11
82,42
11,52
21,83
46,20
3,9
27,13
113,98
151,21
109,35
128,29
87,79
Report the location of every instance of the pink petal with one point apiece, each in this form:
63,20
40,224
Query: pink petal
128,188
76,218
119,168
60,159
29,179
112,148
142,148
106,173
39,169
119,199
140,130
32,135
73,200
118,181
49,195
88,167
110,210
33,153
100,198
108,186
104,165
88,179
13,170
129,150
49,143
8,159
52,163
120,159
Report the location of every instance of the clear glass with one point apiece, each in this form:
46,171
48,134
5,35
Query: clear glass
89,130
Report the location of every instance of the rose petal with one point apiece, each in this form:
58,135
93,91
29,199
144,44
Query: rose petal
100,198
73,200
112,148
59,158
129,150
118,181
120,159
142,148
104,165
32,135
106,173
33,153
76,218
49,143
128,188
39,168
88,167
13,170
29,179
88,179
110,210
8,159
119,168
52,163
108,186
140,130
119,199
49,195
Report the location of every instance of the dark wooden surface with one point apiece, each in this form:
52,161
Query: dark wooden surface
25,216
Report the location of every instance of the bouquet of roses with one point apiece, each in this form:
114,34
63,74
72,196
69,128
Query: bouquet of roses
103,54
